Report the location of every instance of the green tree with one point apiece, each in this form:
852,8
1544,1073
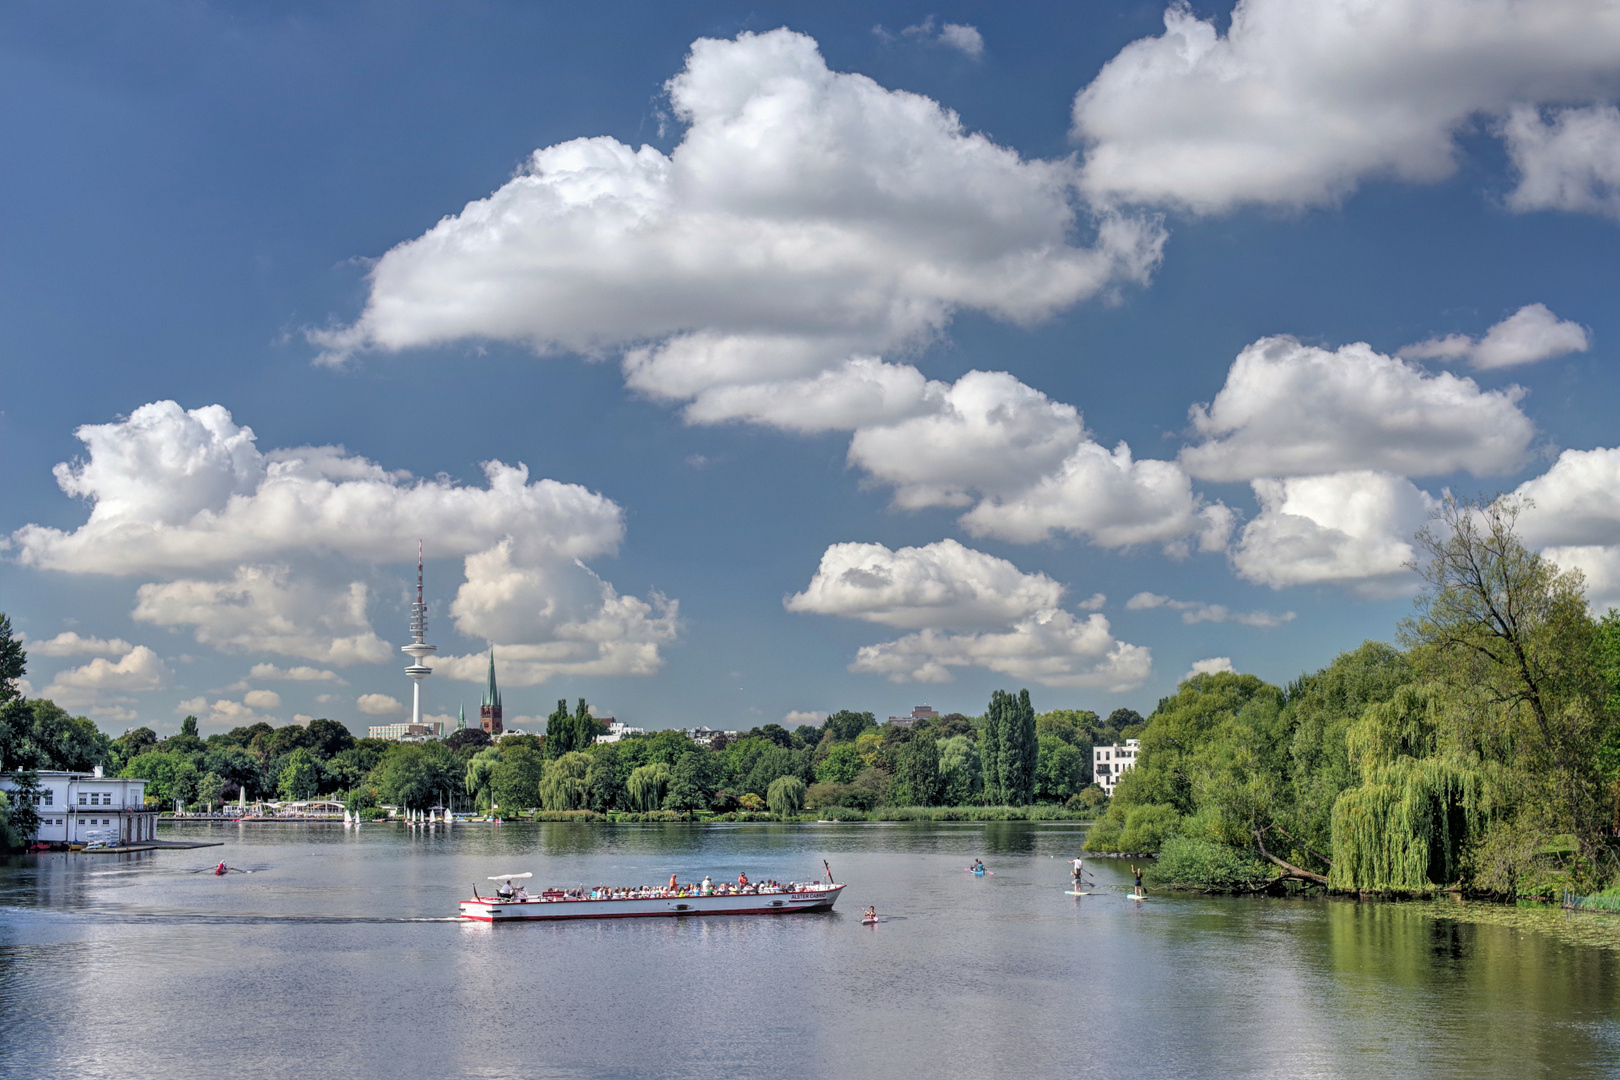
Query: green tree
960,773
563,784
606,778
846,725
480,777
515,783
1009,748
210,788
841,764
171,777
917,775
13,662
786,796
327,738
647,785
19,816
188,727
234,766
691,783
1059,770
1501,624
36,734
300,777
417,775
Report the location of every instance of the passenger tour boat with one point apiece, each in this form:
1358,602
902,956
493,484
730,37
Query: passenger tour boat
513,902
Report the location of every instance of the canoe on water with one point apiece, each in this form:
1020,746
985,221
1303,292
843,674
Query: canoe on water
978,873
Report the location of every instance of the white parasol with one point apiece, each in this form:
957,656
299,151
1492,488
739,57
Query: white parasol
504,877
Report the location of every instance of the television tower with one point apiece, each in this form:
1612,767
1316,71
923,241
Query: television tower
418,649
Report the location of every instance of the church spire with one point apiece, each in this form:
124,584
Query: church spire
489,712
492,694
461,721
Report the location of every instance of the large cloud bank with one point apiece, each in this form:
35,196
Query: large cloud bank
271,552
1298,103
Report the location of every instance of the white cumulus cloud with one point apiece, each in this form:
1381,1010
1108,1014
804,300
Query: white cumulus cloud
806,216
1193,611
941,585
1530,334
1290,409
795,717
1052,647
103,688
379,705
944,587
262,699
1215,665
140,669
301,673
265,609
1352,529
269,551
69,643
1568,160
1298,103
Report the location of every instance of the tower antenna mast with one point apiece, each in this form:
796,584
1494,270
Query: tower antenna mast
418,649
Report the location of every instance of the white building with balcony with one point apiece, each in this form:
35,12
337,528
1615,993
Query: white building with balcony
1109,763
74,805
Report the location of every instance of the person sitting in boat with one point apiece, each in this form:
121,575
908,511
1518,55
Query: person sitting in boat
708,886
870,914
977,866
504,891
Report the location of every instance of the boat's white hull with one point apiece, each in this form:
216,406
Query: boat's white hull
487,909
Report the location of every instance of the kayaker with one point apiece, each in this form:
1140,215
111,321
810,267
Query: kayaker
870,914
219,871
977,866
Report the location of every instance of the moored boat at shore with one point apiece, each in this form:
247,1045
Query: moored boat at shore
647,902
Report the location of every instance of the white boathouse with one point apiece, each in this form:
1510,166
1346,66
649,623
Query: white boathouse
73,805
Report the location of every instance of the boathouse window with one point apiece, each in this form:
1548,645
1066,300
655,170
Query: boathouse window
83,799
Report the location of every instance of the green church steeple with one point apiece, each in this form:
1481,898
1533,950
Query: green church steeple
492,694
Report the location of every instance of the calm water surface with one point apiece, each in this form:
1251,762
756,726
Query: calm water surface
339,957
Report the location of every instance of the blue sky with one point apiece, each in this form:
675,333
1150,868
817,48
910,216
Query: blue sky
817,330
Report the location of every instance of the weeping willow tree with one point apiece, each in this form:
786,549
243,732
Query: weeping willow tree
1421,804
564,785
646,786
1506,629
480,778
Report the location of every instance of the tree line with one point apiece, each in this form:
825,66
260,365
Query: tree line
1480,754
847,766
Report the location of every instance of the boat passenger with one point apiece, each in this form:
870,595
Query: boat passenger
504,891
742,880
708,886
672,882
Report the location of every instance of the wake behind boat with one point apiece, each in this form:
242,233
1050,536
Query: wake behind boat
742,897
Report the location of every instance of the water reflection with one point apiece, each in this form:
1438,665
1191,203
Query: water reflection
312,966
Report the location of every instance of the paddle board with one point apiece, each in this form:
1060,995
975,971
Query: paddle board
1071,893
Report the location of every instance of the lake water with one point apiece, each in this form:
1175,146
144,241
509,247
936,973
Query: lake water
339,956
